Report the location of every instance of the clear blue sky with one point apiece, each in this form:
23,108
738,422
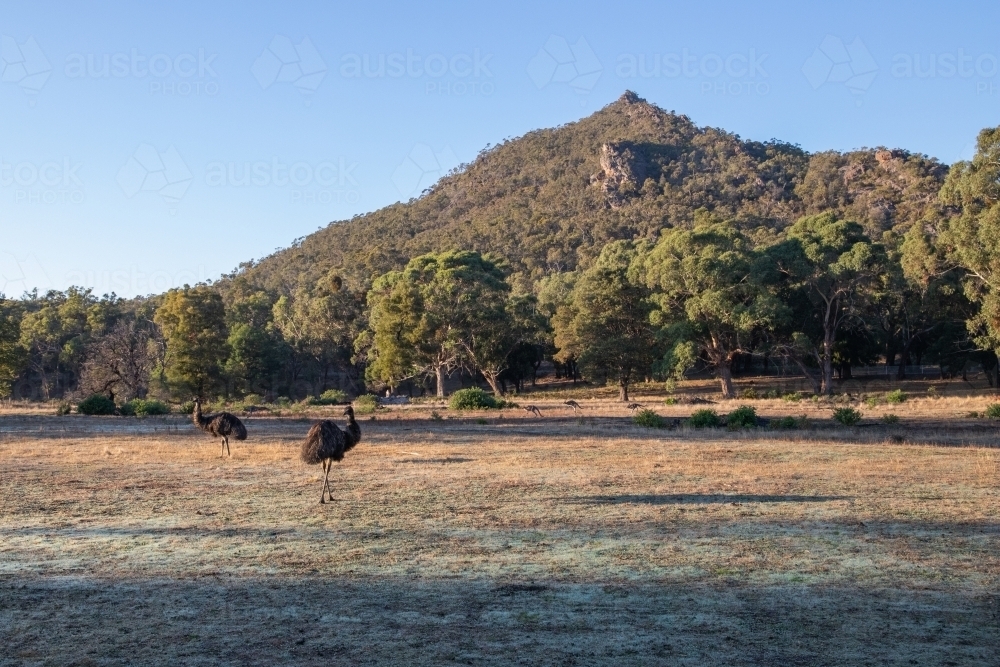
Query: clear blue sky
127,127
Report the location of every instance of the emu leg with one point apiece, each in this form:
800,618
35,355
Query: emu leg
326,481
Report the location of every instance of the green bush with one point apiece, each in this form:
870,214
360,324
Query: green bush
872,401
749,394
785,423
186,408
846,416
649,419
284,402
993,411
98,404
472,398
64,409
670,400
896,396
436,416
329,397
366,404
772,393
890,419
705,418
253,399
744,416
139,407
792,397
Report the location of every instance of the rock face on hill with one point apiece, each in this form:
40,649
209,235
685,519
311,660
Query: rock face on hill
549,200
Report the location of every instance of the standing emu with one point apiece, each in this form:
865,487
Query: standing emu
221,425
326,443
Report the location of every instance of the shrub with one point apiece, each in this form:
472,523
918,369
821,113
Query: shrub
366,404
993,411
974,415
253,399
284,402
890,419
64,409
670,400
896,396
435,415
772,393
846,416
933,392
472,398
649,419
785,423
872,401
744,416
140,407
749,393
98,404
705,418
792,397
504,404
186,408
329,397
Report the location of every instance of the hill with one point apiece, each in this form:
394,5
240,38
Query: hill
548,201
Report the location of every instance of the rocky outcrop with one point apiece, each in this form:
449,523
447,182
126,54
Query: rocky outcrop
622,173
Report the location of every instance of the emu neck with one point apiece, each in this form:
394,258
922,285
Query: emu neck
198,420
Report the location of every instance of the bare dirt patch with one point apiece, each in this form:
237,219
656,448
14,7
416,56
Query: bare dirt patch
550,541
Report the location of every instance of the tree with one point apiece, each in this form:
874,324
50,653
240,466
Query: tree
499,331
707,298
11,353
119,363
425,318
606,322
193,321
320,322
256,349
838,268
971,238
55,330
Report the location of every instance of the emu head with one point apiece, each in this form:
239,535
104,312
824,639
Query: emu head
348,411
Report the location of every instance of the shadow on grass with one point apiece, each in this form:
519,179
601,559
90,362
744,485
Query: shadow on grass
425,621
704,499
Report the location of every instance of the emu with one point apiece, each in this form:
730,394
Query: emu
221,425
573,404
326,443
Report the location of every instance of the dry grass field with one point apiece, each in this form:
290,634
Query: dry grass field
513,540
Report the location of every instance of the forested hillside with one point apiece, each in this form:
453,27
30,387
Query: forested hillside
627,246
550,200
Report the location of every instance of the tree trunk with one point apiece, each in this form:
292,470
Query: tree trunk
492,380
439,373
815,381
623,391
828,366
726,379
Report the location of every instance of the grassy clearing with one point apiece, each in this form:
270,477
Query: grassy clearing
551,541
